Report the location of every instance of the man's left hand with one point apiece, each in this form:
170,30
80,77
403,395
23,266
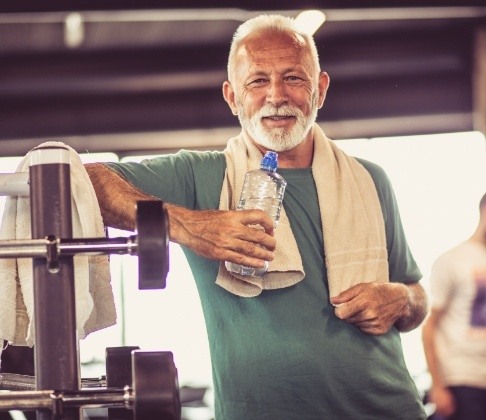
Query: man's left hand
373,307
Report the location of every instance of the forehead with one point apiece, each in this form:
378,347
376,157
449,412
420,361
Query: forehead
272,50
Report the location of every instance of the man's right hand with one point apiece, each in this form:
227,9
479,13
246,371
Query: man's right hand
224,235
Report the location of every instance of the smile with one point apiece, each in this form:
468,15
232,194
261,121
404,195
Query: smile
279,117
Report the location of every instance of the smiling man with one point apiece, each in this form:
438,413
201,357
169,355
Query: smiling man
276,91
318,336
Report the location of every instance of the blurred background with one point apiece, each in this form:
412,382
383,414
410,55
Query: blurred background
134,79
112,71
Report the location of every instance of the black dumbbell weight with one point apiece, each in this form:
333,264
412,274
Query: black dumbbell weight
151,245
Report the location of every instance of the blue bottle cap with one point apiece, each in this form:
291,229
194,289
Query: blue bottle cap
269,161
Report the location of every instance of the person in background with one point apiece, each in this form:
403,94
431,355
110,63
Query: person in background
454,334
318,337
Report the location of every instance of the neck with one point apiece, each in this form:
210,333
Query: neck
298,157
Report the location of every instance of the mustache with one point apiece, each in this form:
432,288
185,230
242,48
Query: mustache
282,111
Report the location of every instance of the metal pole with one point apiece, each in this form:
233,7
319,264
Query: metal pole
16,183
39,248
56,344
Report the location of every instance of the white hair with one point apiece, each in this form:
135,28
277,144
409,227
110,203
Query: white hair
269,23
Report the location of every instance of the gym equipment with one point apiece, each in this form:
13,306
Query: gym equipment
20,382
151,244
118,374
153,394
59,393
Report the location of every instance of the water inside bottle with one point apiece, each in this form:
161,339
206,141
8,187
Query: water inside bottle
262,189
246,271
268,204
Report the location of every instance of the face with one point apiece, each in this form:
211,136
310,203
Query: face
276,91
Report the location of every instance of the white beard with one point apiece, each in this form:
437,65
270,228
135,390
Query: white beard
278,139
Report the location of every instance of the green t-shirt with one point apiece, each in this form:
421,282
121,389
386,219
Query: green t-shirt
284,355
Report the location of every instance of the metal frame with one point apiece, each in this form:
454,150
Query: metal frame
58,389
56,343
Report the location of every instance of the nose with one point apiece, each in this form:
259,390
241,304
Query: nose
276,93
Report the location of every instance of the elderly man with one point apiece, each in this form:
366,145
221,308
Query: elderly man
318,336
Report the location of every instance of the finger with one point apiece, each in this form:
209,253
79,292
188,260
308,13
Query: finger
372,329
254,234
236,251
373,326
348,310
258,217
348,294
249,253
247,261
252,249
259,237
247,242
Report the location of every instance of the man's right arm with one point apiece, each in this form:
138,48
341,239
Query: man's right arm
215,234
116,197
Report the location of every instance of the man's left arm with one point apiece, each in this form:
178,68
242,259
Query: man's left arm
375,307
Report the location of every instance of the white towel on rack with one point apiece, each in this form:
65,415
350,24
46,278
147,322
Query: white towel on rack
95,305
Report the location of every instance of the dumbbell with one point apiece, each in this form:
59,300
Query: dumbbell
154,393
150,244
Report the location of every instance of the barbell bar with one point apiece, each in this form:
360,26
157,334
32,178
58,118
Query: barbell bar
57,401
150,244
19,382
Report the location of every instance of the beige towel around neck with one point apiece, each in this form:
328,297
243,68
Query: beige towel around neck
352,220
95,305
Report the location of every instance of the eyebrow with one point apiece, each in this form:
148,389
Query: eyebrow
286,71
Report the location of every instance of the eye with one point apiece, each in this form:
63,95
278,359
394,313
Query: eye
256,82
294,79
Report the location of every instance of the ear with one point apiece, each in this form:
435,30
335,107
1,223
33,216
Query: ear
229,97
323,85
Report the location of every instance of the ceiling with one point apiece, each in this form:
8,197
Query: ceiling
149,76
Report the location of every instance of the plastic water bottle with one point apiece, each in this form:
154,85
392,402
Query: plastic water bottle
262,189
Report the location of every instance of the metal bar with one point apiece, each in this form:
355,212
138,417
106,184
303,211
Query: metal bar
37,248
23,248
18,382
119,245
53,400
16,183
56,344
103,397
25,400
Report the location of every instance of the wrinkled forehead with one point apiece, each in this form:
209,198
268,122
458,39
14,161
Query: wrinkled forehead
277,47
260,45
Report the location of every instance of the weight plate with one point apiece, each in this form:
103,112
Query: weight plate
152,244
155,386
119,366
